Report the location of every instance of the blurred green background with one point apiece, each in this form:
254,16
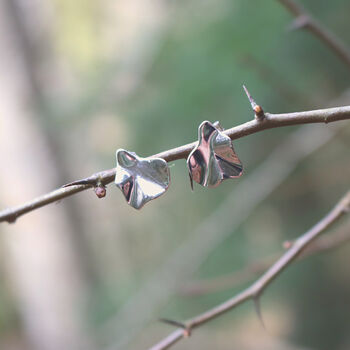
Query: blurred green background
78,80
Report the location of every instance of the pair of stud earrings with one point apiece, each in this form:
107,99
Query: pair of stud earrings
210,162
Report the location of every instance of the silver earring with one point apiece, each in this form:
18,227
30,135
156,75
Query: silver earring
213,159
140,179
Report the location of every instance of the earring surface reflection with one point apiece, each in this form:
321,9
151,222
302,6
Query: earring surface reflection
214,158
140,179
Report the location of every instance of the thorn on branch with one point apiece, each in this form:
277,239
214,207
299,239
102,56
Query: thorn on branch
78,182
259,112
256,300
173,323
187,330
94,180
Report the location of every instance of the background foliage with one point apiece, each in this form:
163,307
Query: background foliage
142,75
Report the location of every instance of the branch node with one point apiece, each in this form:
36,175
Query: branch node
100,190
300,22
258,111
187,333
287,244
12,219
94,180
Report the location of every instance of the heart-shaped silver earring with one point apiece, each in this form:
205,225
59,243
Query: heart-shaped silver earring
213,159
141,179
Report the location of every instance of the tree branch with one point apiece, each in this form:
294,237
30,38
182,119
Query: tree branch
323,244
105,177
257,288
307,21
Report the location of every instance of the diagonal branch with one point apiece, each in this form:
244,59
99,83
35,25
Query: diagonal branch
307,21
105,177
257,288
323,244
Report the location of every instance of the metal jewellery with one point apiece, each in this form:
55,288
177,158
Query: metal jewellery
213,159
141,179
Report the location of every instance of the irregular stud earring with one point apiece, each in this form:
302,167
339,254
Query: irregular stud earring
213,159
140,179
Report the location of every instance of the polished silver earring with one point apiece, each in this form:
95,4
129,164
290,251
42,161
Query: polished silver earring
213,159
141,179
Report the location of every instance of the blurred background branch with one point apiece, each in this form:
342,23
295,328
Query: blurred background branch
334,240
255,291
307,21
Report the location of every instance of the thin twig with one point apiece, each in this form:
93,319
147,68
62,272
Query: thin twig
323,244
254,291
105,177
305,20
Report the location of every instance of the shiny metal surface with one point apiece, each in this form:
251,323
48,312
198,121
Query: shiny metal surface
213,159
140,179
